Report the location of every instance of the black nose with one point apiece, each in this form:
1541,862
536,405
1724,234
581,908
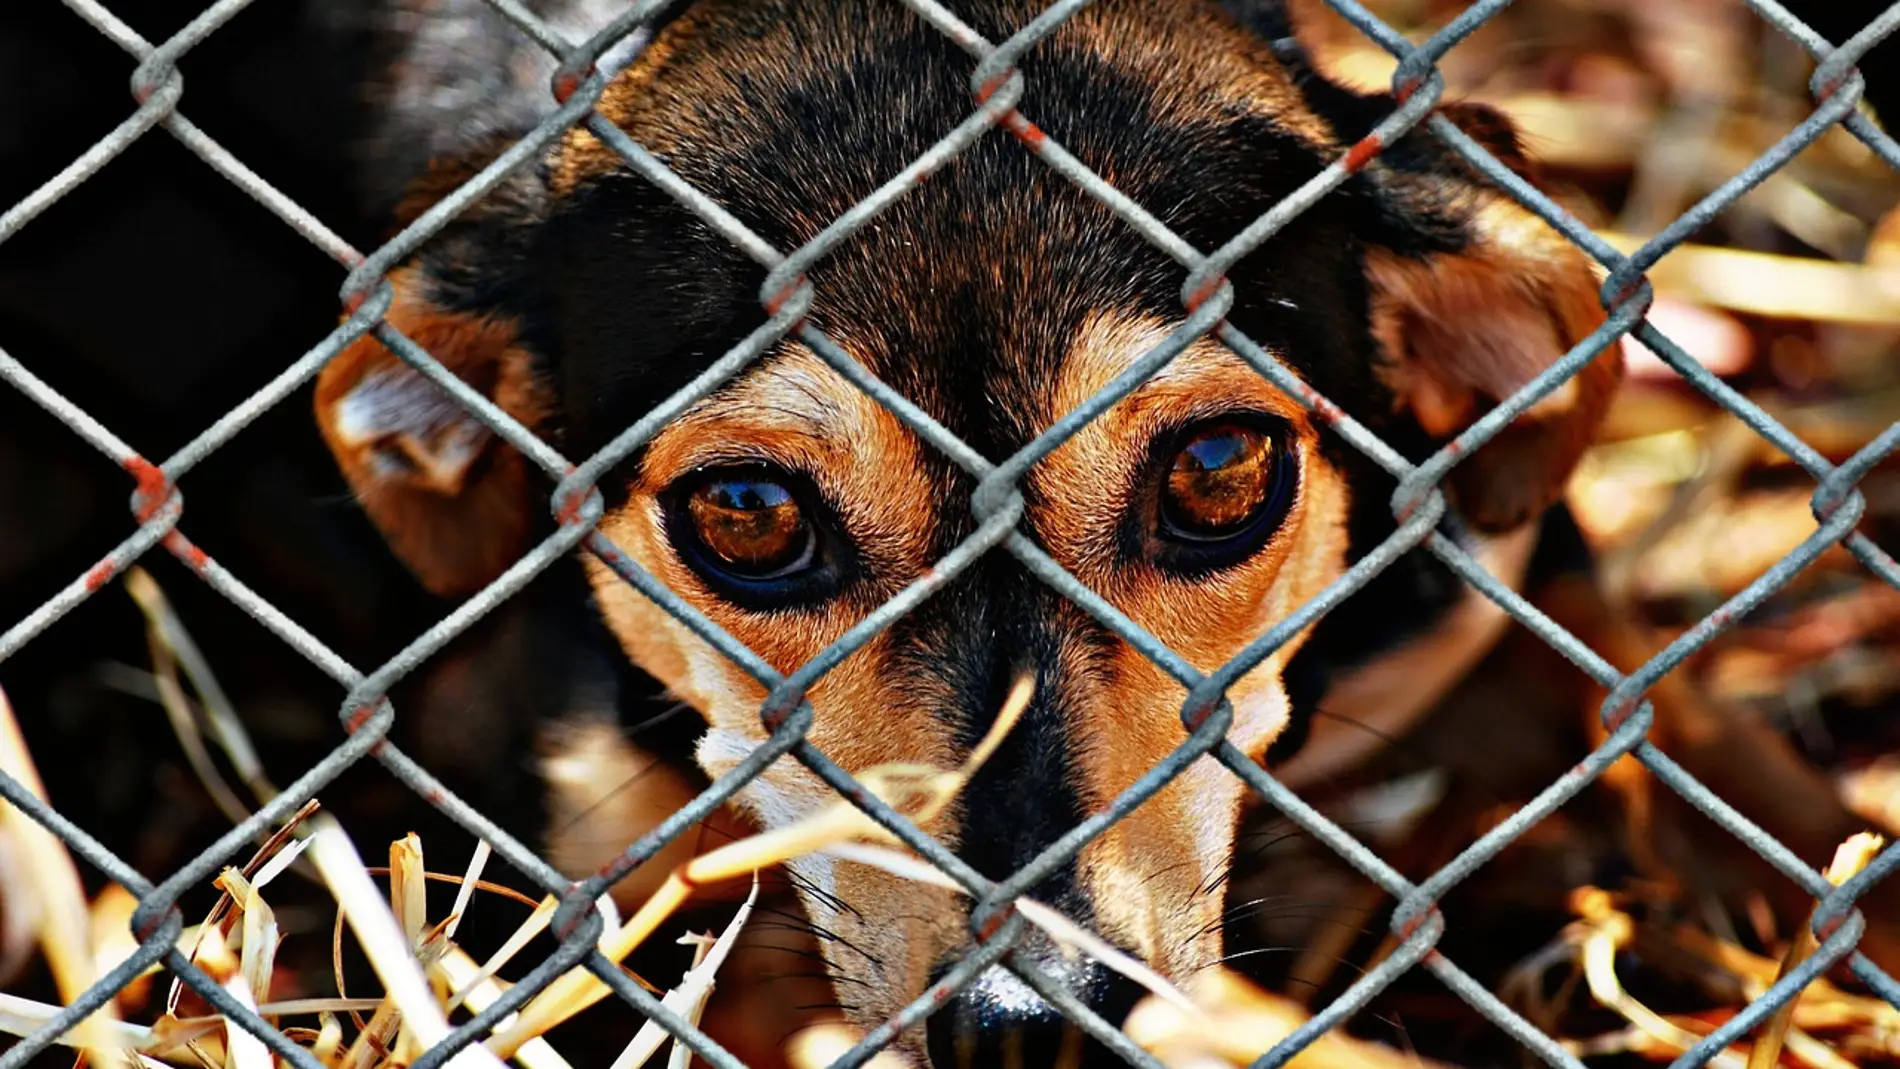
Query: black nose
999,1022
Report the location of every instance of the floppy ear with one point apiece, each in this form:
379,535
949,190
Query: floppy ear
454,501
1472,296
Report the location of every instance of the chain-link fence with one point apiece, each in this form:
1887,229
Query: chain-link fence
158,504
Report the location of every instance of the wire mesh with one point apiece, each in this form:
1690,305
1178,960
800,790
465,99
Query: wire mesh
998,90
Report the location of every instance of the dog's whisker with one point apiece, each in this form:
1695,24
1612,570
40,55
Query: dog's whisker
672,710
1165,870
1241,955
1242,857
815,974
812,890
830,936
1278,906
1237,912
619,788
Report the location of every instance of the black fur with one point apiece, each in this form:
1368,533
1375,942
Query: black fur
973,645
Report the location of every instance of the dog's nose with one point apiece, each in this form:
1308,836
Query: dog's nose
999,1022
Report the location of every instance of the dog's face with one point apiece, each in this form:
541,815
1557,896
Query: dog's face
788,505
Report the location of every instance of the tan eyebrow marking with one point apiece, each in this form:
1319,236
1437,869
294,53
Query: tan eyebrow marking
1089,478
794,409
795,391
1109,342
797,412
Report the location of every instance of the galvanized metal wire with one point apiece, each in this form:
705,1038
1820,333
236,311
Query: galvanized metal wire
998,93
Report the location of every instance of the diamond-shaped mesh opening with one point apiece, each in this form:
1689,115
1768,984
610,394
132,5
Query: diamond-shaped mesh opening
997,92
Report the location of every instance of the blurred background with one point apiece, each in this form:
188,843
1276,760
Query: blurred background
158,295
1638,110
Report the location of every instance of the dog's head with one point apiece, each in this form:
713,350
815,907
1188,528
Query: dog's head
996,296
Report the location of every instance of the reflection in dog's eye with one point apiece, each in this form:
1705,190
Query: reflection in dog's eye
1219,482
751,525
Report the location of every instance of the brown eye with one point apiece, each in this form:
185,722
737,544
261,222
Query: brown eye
1222,479
751,526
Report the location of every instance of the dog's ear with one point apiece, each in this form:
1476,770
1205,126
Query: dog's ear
454,501
1472,296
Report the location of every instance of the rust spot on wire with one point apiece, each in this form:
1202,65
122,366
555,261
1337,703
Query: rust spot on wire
1316,402
185,550
614,871
153,487
1410,508
360,716
1195,715
567,82
988,89
1620,712
777,300
354,300
1207,289
101,574
1363,153
775,713
564,930
1630,291
1027,132
988,929
1417,921
143,90
570,511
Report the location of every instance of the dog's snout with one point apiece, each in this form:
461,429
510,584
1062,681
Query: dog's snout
999,1021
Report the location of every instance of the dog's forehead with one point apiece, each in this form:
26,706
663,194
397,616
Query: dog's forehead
750,73
967,292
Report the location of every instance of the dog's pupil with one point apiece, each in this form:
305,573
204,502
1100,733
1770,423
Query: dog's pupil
753,524
1220,478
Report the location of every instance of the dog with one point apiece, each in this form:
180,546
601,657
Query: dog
996,296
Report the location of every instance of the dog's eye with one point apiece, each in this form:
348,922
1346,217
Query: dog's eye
1220,480
750,524
761,537
1223,487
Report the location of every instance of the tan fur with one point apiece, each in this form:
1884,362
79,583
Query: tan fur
1462,331
797,412
801,414
1145,874
602,793
455,537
